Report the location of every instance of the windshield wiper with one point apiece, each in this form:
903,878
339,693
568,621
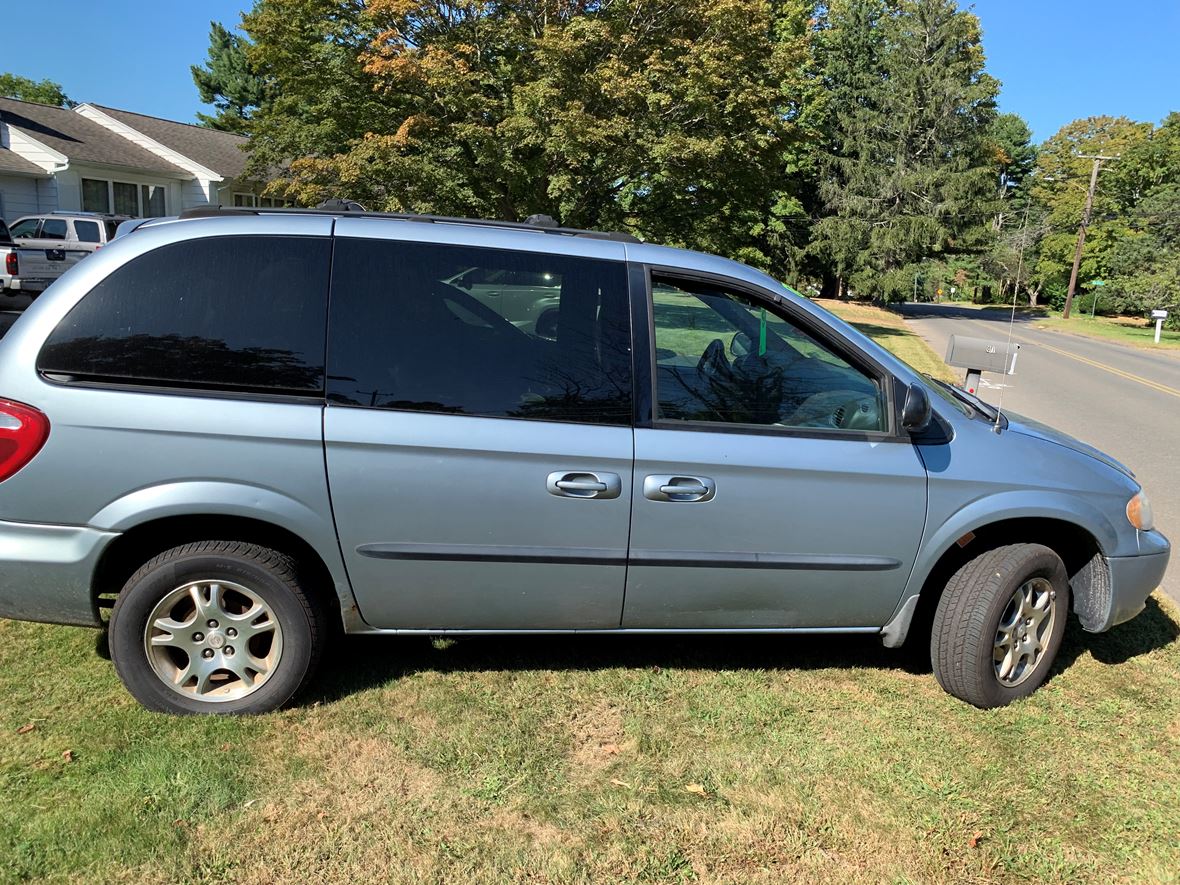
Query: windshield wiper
964,397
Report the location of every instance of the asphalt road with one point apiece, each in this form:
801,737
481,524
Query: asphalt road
1120,399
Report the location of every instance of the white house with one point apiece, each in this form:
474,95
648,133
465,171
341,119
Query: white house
101,159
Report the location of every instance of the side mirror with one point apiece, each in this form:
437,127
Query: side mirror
915,412
739,344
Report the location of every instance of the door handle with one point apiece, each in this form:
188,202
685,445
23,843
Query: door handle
671,487
583,484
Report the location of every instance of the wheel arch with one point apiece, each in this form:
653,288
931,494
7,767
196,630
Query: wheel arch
139,543
1079,549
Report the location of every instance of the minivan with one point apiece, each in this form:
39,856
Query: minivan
244,430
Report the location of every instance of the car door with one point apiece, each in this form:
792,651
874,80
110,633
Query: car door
771,487
480,473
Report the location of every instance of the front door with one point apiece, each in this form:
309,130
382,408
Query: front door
771,489
479,464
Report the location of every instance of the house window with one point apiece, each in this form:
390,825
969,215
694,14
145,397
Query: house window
126,198
96,195
137,201
249,201
153,200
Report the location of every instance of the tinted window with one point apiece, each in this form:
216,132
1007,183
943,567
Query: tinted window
229,313
53,229
420,327
87,231
725,357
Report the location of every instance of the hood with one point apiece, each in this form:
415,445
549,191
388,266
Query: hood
1037,430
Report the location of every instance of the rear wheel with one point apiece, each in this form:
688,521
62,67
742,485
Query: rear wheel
215,627
999,624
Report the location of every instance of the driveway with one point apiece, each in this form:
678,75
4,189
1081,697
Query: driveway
1121,399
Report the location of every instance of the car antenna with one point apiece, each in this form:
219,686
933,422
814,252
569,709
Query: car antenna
1012,317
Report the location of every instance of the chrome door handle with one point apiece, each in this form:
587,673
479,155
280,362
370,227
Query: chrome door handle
583,484
671,487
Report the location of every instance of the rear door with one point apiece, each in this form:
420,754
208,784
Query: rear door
480,469
771,487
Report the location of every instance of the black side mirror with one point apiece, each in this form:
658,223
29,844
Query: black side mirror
915,412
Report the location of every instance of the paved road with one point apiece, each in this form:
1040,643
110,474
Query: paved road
1123,400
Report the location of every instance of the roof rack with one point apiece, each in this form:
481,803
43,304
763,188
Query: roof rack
535,223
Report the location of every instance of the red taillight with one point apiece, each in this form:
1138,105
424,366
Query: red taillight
23,430
10,264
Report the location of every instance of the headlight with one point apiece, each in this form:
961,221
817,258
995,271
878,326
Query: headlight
1139,512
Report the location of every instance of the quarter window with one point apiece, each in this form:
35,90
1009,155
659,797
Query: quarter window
87,231
471,331
724,357
227,313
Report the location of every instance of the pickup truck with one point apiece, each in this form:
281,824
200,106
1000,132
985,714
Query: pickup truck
29,269
82,231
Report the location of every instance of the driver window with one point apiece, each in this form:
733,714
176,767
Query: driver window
472,331
724,357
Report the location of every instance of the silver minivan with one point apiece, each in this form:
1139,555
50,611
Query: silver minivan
244,430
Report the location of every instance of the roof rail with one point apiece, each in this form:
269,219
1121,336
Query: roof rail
535,223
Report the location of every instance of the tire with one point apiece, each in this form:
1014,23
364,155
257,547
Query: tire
175,624
1009,603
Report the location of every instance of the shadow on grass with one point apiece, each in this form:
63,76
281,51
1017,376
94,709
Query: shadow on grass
357,663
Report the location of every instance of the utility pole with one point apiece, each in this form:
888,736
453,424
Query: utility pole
1077,255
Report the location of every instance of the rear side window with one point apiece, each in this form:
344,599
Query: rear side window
470,331
225,313
87,231
53,229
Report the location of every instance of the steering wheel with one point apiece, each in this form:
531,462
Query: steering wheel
713,362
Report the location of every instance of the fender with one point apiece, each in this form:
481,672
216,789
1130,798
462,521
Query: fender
985,511
202,498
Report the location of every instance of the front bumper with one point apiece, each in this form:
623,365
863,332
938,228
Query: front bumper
46,572
1131,580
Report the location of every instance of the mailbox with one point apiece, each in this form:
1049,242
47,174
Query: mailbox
980,354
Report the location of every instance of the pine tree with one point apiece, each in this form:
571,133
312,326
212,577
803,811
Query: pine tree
908,174
228,82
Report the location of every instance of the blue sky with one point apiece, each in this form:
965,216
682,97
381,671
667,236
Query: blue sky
1058,59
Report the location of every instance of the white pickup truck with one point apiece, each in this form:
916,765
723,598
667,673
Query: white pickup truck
37,249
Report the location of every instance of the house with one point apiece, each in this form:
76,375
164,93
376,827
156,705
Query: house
100,159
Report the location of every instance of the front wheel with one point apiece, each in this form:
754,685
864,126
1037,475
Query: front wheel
999,624
215,627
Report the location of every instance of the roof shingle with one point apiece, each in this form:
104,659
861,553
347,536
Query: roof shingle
80,139
220,151
12,162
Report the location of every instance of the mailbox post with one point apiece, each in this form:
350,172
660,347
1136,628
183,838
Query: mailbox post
978,355
1159,316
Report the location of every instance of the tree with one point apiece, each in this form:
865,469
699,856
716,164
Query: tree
228,82
664,118
1060,184
42,92
906,173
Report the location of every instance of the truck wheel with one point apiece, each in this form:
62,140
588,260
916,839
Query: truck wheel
215,627
999,624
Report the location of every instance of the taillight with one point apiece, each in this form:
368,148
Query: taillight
23,430
10,264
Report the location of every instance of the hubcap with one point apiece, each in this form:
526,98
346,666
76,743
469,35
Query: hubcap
213,641
1024,630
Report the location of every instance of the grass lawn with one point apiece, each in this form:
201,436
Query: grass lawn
889,330
1126,330
601,760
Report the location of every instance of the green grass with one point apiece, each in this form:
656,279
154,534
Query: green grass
595,759
890,331
600,760
1125,330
